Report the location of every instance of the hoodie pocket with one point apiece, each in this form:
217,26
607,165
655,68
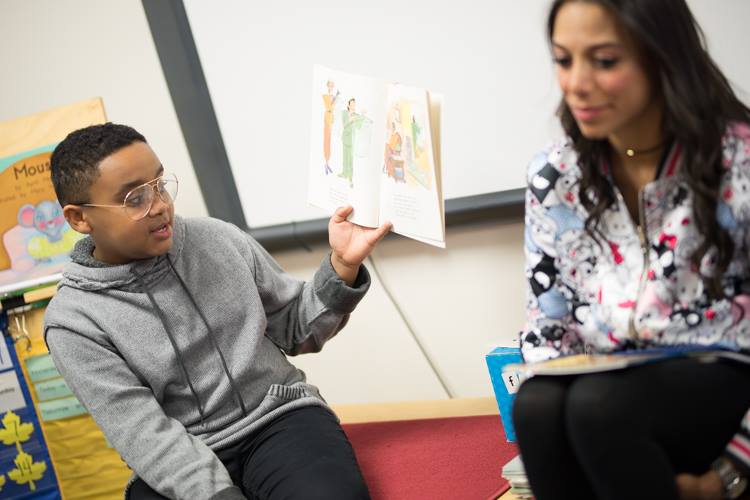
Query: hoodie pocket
292,392
278,395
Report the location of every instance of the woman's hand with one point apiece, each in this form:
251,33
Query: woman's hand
704,487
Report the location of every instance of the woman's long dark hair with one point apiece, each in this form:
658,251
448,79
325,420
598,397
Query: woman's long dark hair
698,106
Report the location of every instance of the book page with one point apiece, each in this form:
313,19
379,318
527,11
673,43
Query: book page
436,105
411,195
346,137
582,363
592,363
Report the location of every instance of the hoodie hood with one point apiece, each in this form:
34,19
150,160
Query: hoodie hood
84,272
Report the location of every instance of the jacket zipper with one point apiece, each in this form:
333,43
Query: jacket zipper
644,248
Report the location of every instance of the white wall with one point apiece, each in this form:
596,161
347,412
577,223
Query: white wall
57,52
461,302
258,59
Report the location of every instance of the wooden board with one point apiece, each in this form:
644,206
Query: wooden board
45,127
413,410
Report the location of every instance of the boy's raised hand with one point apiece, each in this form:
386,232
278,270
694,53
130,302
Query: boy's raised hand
351,243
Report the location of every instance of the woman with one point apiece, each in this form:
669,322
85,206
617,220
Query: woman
637,233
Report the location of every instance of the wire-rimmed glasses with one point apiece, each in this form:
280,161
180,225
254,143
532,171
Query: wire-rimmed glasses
139,200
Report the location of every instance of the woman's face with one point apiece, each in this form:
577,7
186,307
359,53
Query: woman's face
601,77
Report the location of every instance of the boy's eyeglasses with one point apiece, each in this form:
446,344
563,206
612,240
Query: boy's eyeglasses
139,200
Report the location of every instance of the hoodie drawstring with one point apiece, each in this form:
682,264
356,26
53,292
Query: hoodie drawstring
181,362
212,337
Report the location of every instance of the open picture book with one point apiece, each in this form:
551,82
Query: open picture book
376,146
580,364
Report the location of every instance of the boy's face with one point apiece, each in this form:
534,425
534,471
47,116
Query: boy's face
118,238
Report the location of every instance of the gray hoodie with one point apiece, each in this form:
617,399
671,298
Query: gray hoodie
186,352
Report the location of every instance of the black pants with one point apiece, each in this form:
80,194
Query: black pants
626,434
303,454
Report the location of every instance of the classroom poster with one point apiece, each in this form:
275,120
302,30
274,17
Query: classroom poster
35,239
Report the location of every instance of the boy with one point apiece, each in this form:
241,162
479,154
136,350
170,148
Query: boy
174,332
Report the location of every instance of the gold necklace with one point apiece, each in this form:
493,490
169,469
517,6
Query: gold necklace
632,152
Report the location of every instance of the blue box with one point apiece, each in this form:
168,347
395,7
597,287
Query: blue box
505,385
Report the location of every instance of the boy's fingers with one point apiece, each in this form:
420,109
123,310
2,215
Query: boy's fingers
382,231
342,213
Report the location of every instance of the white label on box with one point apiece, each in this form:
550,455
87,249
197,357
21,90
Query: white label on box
512,381
11,397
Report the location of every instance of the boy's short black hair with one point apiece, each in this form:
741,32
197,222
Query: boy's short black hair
75,161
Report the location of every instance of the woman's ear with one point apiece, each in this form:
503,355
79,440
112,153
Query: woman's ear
77,218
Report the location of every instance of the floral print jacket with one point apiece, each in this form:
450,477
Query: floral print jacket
635,286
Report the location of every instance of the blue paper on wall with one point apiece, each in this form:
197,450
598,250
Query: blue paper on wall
505,385
25,467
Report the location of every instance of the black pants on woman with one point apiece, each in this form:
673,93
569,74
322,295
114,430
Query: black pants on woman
626,434
303,454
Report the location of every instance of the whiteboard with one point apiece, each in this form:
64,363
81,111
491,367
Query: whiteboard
488,58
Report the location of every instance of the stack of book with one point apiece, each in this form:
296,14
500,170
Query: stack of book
514,472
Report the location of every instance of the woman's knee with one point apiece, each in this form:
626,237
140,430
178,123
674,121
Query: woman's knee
594,405
539,400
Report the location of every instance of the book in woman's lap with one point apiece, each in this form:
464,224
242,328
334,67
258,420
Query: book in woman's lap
580,364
